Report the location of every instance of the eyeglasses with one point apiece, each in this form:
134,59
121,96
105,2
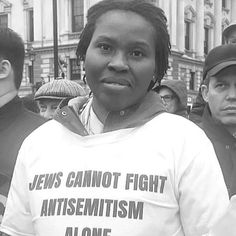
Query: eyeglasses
167,98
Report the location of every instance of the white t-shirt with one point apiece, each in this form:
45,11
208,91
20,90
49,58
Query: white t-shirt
90,120
160,179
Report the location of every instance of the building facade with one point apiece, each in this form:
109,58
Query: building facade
195,26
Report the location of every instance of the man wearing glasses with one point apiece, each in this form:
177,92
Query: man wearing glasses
174,96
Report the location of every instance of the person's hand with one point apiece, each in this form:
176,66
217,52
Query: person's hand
78,102
226,226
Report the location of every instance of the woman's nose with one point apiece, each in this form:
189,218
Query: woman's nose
118,62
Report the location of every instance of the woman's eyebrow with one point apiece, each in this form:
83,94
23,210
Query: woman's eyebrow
139,43
104,37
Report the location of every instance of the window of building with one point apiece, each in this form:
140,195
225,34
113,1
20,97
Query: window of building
187,35
75,70
208,31
30,25
3,21
223,3
192,80
31,74
190,29
77,15
206,40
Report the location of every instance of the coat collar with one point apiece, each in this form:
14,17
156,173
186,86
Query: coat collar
128,118
215,130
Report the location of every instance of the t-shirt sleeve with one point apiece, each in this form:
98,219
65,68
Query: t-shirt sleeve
17,220
203,197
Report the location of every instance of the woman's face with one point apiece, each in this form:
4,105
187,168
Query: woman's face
120,59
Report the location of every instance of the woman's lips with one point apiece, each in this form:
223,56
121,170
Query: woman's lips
116,82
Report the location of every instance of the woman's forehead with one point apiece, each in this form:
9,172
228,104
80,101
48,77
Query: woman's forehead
117,16
126,24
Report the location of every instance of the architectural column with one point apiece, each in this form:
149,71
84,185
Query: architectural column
180,25
161,4
86,7
61,17
25,35
67,11
233,10
173,23
166,9
38,20
200,29
17,11
69,15
66,19
218,22
48,20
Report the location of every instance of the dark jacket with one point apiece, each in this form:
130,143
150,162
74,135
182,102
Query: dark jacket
197,110
225,148
131,117
16,123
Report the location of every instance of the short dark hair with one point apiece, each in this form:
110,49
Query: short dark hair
12,49
151,13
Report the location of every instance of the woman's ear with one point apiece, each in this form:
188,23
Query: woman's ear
5,69
204,91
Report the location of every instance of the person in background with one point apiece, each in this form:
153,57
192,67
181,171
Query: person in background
174,96
229,36
229,33
124,166
16,122
219,117
51,94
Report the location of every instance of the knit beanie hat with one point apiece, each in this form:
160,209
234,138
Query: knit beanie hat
59,89
179,88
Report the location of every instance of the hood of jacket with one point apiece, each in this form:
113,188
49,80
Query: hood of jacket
134,116
179,88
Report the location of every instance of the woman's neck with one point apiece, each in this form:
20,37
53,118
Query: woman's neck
99,110
232,130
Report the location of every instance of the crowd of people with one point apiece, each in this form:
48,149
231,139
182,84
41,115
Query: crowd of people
127,159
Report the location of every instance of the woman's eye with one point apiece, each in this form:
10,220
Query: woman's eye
137,53
104,47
